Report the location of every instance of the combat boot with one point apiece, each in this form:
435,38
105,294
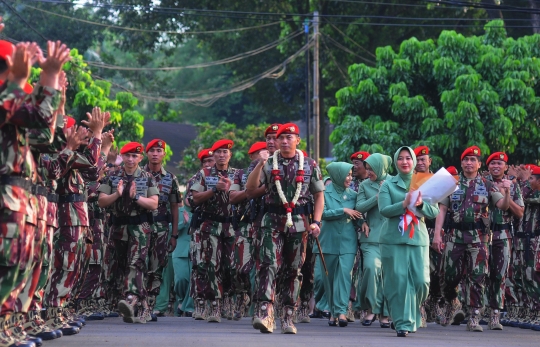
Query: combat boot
350,313
55,321
35,326
535,324
227,305
525,323
513,321
83,308
242,301
287,325
214,311
94,312
473,324
199,309
16,327
303,313
151,303
494,323
143,313
423,316
68,313
264,320
450,311
6,340
127,307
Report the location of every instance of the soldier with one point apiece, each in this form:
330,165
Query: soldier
290,180
243,244
211,191
206,157
166,213
359,170
133,194
465,253
502,227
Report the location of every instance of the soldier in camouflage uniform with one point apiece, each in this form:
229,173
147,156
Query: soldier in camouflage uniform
285,229
206,156
18,112
502,228
133,194
216,248
243,244
167,212
465,254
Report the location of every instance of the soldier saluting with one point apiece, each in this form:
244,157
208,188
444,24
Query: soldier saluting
134,194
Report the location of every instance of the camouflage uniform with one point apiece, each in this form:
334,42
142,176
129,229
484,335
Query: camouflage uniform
131,225
157,247
283,248
465,254
216,248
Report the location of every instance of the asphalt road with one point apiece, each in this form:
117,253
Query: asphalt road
171,331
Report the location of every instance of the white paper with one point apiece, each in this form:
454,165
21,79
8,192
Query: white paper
434,190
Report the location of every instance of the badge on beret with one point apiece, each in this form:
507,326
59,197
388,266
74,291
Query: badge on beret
160,143
210,152
475,151
501,156
423,151
229,146
292,129
275,127
138,149
359,156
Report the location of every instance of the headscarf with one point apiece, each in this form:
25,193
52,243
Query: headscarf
338,171
405,177
379,164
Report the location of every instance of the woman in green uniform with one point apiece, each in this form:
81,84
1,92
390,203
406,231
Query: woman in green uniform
371,287
338,240
404,246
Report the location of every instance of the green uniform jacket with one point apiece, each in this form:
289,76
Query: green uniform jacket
367,203
391,197
182,244
338,232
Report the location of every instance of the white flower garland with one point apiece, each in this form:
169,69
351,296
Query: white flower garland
287,205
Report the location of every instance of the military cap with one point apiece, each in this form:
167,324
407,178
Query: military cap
535,170
156,143
497,156
288,128
472,151
272,129
257,146
530,166
452,170
226,144
205,153
69,122
132,147
360,156
6,49
422,150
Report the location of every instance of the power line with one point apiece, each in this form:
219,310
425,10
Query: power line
348,38
150,30
345,78
345,49
15,12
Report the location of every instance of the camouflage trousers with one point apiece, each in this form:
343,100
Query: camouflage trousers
195,257
112,277
531,272
157,257
356,275
46,268
244,263
499,261
215,266
515,291
12,235
25,262
435,260
308,272
68,260
91,288
466,262
283,253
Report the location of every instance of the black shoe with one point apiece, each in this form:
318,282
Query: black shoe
46,335
385,325
76,324
332,322
368,322
24,343
402,333
71,330
343,322
316,314
112,315
325,314
483,322
95,316
392,326
188,314
154,317
36,340
58,333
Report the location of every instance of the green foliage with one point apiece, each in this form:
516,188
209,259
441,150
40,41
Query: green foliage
449,94
208,134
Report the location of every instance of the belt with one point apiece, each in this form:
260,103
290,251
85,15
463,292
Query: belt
95,215
39,190
133,220
501,227
16,181
71,198
281,210
163,218
216,218
522,235
468,226
52,197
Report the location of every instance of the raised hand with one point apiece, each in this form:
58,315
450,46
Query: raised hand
223,184
19,65
96,121
132,190
120,187
57,56
107,141
75,136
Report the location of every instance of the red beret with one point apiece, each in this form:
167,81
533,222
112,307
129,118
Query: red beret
28,88
422,150
156,143
257,146
205,153
227,144
530,166
69,122
360,155
471,151
132,147
288,128
6,49
497,156
272,129
535,170
452,170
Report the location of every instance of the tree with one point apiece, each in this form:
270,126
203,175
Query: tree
448,94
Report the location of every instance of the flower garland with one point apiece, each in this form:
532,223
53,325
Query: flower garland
299,181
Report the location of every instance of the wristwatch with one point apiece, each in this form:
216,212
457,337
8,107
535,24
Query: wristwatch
136,198
316,222
214,189
175,236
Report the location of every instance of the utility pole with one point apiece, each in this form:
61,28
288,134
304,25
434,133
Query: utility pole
316,111
308,102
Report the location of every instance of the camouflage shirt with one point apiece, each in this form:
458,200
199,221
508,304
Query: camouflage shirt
169,190
52,207
355,183
470,204
531,215
499,216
